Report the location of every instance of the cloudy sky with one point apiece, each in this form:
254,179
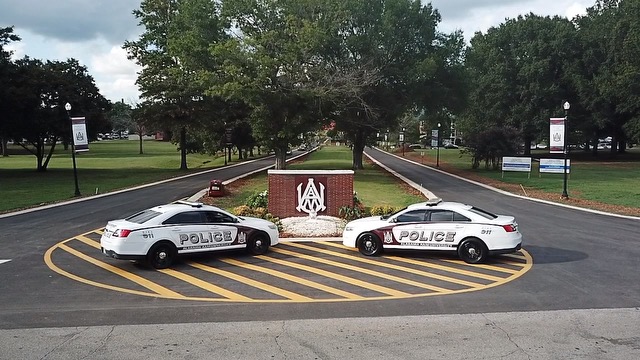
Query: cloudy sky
93,31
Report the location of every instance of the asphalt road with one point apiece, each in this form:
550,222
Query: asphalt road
581,261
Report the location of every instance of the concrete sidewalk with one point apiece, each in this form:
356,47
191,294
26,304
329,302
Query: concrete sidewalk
571,334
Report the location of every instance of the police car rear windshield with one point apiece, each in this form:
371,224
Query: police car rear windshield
143,216
484,214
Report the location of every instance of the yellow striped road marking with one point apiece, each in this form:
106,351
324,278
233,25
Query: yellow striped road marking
446,268
359,269
52,266
184,277
488,267
266,287
517,259
88,241
348,280
364,271
293,278
204,285
161,290
396,267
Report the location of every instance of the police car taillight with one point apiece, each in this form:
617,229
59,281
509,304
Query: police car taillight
510,228
121,233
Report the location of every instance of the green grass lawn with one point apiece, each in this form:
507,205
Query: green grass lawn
107,166
112,165
601,179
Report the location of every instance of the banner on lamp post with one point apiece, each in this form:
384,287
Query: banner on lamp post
79,132
434,138
556,136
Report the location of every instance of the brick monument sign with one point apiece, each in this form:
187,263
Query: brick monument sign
309,192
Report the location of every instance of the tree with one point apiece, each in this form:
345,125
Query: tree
609,69
490,145
173,52
520,75
272,64
40,119
7,78
395,41
121,117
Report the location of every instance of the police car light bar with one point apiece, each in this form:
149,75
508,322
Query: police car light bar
190,203
433,202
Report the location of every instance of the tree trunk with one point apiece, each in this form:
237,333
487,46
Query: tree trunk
281,156
53,147
358,150
40,156
183,148
140,140
4,142
527,146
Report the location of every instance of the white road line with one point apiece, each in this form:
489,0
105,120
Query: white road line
4,261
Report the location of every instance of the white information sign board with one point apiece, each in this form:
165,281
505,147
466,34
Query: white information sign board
554,166
516,164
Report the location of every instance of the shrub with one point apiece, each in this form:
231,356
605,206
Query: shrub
259,200
382,210
260,212
243,210
351,212
356,200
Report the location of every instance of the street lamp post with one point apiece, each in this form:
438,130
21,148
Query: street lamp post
386,140
565,149
67,107
438,147
401,138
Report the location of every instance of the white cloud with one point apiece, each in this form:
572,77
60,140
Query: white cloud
115,75
475,16
93,31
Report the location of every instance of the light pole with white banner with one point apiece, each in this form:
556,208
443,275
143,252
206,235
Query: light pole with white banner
67,107
566,106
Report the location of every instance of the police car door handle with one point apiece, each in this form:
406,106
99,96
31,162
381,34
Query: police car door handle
459,226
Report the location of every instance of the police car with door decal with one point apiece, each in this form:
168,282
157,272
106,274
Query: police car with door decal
159,234
437,225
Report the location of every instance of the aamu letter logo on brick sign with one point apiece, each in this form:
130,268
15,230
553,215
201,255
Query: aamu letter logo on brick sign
311,200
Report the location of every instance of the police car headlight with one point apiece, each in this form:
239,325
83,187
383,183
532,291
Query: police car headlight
273,226
348,228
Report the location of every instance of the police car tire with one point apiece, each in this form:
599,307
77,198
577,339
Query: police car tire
161,255
475,245
261,249
369,244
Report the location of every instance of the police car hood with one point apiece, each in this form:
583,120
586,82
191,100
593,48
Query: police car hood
254,222
368,223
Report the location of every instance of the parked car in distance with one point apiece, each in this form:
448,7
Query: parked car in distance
159,234
436,225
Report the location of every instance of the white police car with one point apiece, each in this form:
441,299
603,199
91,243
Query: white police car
159,234
473,233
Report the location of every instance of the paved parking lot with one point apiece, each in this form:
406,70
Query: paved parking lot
290,272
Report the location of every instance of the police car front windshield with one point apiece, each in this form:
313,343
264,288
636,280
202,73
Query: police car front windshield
143,216
385,217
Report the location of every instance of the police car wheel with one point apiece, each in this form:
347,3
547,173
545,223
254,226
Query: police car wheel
161,255
369,244
473,251
258,244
